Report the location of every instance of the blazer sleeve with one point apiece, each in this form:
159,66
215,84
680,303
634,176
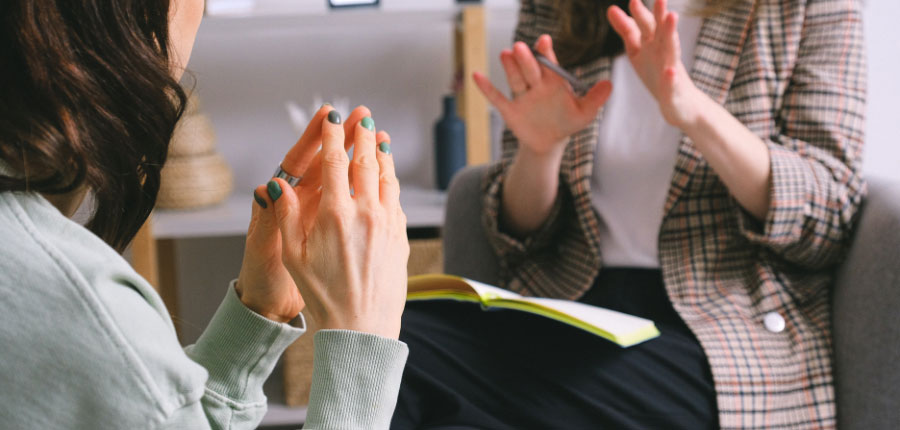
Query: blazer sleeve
508,247
816,187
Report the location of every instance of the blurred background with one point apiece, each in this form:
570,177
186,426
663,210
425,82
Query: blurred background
252,58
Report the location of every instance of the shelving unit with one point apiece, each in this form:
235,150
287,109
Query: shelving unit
424,208
284,8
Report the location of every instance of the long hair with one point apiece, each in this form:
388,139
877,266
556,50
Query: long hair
585,34
88,99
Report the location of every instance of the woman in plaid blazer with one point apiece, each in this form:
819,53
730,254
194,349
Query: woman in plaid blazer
760,209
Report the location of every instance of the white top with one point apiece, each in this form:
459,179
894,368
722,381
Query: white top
634,162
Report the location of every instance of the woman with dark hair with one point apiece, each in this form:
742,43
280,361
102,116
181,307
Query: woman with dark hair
89,102
713,191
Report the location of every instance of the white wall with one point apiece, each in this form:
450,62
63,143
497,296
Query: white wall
882,153
398,64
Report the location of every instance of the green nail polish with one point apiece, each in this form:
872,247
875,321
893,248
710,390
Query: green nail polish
274,190
260,201
334,117
368,123
384,147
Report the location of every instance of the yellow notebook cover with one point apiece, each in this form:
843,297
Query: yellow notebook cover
623,329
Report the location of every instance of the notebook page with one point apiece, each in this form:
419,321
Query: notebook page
616,323
487,292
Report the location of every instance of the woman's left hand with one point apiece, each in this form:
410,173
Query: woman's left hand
264,284
652,45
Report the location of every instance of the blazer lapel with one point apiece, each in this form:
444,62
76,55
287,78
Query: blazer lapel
717,54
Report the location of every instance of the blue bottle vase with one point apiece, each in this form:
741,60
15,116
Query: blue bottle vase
450,143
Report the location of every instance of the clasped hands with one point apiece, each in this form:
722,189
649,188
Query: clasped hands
341,253
545,111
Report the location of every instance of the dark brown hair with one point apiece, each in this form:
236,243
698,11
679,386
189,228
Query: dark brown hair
585,34
88,99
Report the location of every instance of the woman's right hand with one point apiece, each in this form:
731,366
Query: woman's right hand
346,252
544,110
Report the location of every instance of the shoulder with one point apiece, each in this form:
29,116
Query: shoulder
80,330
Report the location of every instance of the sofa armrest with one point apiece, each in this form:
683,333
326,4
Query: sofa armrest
467,252
866,317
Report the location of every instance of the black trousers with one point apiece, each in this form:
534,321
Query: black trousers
475,369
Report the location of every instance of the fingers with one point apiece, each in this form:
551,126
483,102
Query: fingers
302,153
494,96
350,125
671,43
531,70
286,206
544,45
659,10
335,164
626,28
595,98
389,186
364,167
644,19
514,76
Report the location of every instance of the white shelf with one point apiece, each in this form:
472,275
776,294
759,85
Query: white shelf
424,208
270,8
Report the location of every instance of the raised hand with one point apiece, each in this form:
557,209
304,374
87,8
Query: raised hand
347,253
544,110
652,45
264,284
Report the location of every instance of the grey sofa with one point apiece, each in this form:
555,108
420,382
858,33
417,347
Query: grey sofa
866,296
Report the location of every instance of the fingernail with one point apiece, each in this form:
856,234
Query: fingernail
259,200
326,104
274,190
334,117
384,147
368,123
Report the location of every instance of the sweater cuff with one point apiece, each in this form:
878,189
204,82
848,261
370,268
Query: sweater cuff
356,380
239,348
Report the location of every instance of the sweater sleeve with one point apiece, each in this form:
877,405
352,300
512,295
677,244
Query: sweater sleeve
356,380
239,349
816,187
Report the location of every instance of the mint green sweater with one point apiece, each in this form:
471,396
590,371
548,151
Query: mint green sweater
86,343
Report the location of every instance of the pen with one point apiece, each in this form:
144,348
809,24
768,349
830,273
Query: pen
576,85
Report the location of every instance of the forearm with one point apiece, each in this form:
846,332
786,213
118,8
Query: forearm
530,191
739,157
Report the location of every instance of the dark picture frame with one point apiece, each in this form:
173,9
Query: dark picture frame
340,4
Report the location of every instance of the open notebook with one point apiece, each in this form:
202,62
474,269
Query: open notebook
623,329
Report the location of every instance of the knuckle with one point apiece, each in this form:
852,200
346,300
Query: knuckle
365,162
335,159
371,216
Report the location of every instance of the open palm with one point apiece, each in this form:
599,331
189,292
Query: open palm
544,109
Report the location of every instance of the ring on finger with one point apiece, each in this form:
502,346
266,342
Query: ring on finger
290,179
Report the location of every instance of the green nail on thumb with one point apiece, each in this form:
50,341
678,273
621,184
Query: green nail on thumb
274,190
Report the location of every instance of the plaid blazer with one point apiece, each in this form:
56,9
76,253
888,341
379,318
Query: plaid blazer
793,71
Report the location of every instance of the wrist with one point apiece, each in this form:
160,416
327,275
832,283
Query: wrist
254,305
546,163
694,113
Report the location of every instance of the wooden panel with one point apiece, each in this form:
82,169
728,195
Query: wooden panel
168,279
144,256
471,56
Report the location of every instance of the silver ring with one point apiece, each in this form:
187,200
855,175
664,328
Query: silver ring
291,180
